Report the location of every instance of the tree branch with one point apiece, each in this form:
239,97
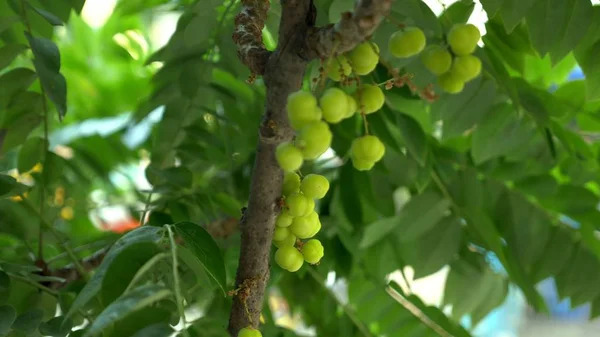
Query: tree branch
352,29
283,75
247,35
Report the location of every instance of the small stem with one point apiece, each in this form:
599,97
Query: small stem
144,269
146,208
58,238
178,296
81,248
34,284
46,146
347,310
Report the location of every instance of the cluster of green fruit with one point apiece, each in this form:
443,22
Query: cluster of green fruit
454,66
249,332
299,220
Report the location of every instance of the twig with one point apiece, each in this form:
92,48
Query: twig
34,284
413,309
347,310
178,296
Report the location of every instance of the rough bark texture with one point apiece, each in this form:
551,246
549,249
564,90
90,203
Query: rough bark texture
248,35
352,29
283,73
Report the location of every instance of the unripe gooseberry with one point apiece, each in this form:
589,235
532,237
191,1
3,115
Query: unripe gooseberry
436,59
284,219
338,66
407,42
249,331
371,98
280,233
367,148
314,139
288,157
364,58
451,82
310,207
334,105
463,38
291,183
304,226
314,218
362,165
466,67
352,107
296,204
314,186
301,108
313,251
289,258
289,240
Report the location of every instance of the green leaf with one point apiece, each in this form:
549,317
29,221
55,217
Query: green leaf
513,11
141,319
55,327
414,137
531,100
155,330
127,304
500,132
418,216
124,267
9,186
491,6
579,16
205,248
51,18
30,154
9,52
13,81
590,64
94,285
7,317
434,249
458,12
29,321
4,287
47,66
7,22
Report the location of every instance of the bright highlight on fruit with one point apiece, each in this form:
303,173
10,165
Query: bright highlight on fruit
364,58
463,39
436,59
313,251
289,258
371,98
334,105
406,43
288,157
249,331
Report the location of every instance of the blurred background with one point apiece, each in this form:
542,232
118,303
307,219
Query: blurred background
106,57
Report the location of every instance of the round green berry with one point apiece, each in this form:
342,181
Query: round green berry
407,42
364,58
284,219
291,183
314,186
249,332
338,66
296,204
466,67
362,165
352,106
314,139
304,226
436,59
334,105
313,251
451,82
289,258
463,38
280,233
288,157
289,240
372,98
367,149
310,206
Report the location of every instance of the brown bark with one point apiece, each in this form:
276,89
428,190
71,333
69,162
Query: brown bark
284,70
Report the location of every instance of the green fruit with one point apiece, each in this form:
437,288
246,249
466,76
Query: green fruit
296,204
289,258
334,105
314,186
466,67
304,226
291,183
463,38
280,233
364,58
288,157
367,149
407,42
352,107
313,251
302,109
314,139
338,66
372,98
314,218
284,219
289,240
451,82
436,59
362,165
249,332
310,207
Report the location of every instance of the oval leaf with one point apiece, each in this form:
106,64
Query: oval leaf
205,248
7,317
